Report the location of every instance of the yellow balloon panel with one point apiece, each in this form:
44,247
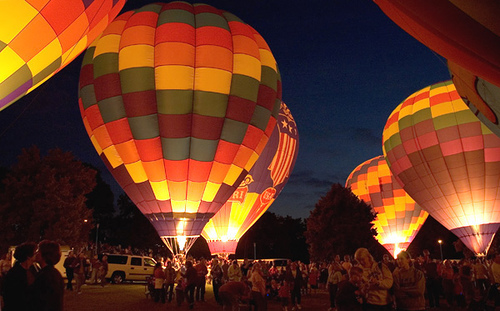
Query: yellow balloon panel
39,38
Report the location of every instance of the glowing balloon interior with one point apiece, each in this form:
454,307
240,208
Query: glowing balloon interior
39,38
448,161
179,101
258,190
399,218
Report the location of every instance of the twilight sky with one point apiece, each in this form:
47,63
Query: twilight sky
344,65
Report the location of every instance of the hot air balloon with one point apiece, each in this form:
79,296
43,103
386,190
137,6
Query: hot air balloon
448,162
467,34
462,31
179,101
39,38
482,97
399,218
258,190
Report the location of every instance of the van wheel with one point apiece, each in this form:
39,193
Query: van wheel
117,277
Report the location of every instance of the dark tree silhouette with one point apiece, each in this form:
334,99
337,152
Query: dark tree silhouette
132,228
274,237
339,224
101,202
44,198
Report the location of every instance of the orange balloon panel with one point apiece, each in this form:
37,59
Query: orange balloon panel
448,161
40,37
179,100
263,184
398,216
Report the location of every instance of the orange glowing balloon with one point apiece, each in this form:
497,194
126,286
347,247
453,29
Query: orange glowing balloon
399,218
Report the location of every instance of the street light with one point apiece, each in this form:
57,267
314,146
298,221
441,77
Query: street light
97,239
441,248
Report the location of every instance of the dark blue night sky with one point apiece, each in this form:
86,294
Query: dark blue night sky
344,65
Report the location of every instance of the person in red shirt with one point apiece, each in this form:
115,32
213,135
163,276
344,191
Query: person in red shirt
159,276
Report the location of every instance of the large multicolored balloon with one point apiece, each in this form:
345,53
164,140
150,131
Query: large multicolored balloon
40,37
179,100
448,161
258,190
399,218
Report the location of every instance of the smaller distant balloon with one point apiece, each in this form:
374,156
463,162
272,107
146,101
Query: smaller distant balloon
399,218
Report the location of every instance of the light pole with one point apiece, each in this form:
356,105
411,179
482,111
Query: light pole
441,248
97,239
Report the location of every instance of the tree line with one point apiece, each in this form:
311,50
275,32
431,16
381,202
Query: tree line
57,197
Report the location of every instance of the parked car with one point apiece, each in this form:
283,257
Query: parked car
123,267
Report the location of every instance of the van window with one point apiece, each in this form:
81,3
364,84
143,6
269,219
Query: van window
117,259
148,262
136,261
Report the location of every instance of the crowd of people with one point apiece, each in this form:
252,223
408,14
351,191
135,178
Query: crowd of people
32,283
357,282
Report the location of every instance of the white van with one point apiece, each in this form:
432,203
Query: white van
123,267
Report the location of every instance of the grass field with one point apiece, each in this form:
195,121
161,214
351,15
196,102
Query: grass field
131,297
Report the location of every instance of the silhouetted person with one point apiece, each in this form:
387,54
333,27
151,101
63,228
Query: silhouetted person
17,284
68,265
191,281
48,288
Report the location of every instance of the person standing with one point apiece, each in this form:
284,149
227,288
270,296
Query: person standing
191,279
217,274
432,281
258,293
234,272
103,270
377,280
170,275
202,271
68,265
294,278
49,285
17,293
79,270
409,285
159,277
334,278
94,265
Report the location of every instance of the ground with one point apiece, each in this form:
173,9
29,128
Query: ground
131,297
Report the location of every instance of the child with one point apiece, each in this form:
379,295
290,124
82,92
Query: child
180,289
284,295
349,295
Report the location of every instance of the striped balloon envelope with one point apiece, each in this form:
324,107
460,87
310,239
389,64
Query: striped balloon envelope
259,189
482,97
399,218
179,101
448,161
40,37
